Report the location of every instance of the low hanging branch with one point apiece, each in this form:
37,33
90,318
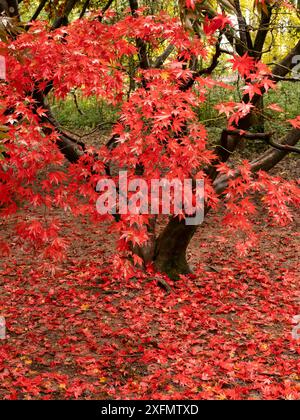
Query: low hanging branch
50,118
282,147
267,137
266,161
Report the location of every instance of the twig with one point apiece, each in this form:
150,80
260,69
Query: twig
73,93
163,284
96,128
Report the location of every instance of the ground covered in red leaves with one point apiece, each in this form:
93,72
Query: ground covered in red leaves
224,333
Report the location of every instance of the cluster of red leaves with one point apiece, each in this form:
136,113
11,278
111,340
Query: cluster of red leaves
159,123
219,335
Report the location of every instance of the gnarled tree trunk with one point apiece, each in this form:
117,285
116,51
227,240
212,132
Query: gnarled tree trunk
171,247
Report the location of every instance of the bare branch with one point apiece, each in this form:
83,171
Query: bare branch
266,161
104,9
264,27
84,8
162,58
63,19
272,157
286,79
243,29
141,45
283,68
267,137
38,10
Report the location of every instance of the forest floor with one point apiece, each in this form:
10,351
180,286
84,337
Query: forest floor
223,333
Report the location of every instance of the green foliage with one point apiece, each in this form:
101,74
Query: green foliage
287,96
88,115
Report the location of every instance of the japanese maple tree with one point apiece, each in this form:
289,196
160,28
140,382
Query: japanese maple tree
158,133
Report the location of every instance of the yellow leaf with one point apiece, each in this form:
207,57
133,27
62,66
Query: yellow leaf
164,75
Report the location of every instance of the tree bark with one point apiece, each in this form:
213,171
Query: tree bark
38,10
171,246
63,19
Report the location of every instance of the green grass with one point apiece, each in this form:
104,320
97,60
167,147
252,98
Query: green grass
89,114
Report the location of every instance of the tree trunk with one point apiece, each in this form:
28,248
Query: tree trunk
63,19
171,247
259,124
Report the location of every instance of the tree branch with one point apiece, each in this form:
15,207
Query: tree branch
264,25
38,10
84,8
104,9
266,161
162,58
244,32
283,68
267,137
63,19
66,142
272,157
141,45
208,70
286,79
